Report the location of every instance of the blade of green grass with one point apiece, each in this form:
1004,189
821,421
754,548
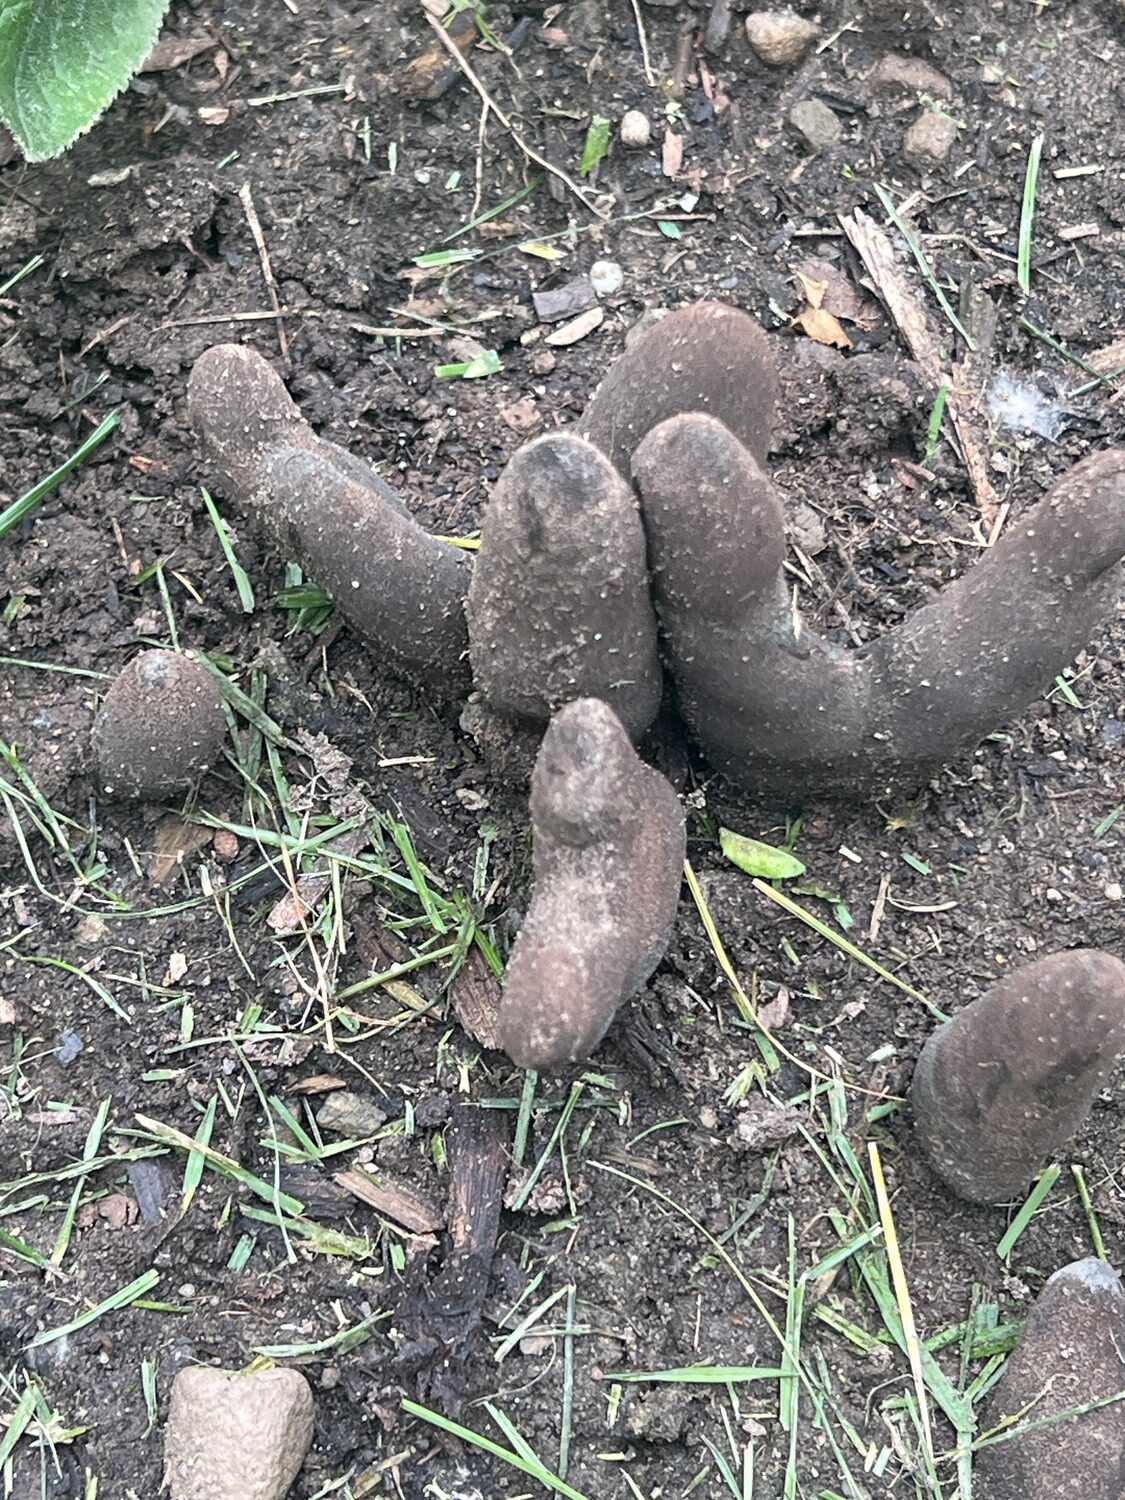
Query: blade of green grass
89,1152
238,572
1047,1180
1027,215
121,1298
533,1469
797,910
15,512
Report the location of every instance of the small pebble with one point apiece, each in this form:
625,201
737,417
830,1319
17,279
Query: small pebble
1071,1352
816,123
160,725
929,140
543,362
636,130
1004,1085
896,74
236,1436
780,37
349,1114
606,277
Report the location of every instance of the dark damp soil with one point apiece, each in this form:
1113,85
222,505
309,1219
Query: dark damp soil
139,254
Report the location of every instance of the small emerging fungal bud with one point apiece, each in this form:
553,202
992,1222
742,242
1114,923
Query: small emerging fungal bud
159,727
705,358
786,714
636,131
400,588
1069,1356
1004,1085
236,1435
559,606
608,856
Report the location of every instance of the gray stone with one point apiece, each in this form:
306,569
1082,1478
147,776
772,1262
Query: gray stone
813,120
345,1113
929,140
636,131
1072,1352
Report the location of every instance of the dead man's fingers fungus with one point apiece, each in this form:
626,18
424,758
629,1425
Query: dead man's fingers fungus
160,726
559,604
785,713
1000,1088
608,852
400,588
707,358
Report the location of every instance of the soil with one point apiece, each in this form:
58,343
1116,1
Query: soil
147,258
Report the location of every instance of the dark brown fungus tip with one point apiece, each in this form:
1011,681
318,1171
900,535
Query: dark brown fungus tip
1069,1357
559,604
159,727
705,358
787,714
1004,1085
400,588
238,404
608,855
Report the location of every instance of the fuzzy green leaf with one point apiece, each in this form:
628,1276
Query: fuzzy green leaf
62,61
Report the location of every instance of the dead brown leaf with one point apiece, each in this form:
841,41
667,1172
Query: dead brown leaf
175,842
823,328
173,51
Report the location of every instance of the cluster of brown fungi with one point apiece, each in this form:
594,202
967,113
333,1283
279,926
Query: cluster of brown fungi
636,561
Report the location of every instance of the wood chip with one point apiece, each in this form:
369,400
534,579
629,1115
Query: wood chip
393,1199
433,72
554,303
320,1083
906,312
672,155
476,1000
577,328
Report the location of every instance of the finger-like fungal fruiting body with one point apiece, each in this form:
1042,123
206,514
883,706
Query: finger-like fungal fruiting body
559,604
785,713
608,852
706,358
400,588
236,1435
1071,1354
1003,1086
159,727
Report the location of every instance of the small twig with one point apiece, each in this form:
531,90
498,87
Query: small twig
247,201
642,37
529,151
